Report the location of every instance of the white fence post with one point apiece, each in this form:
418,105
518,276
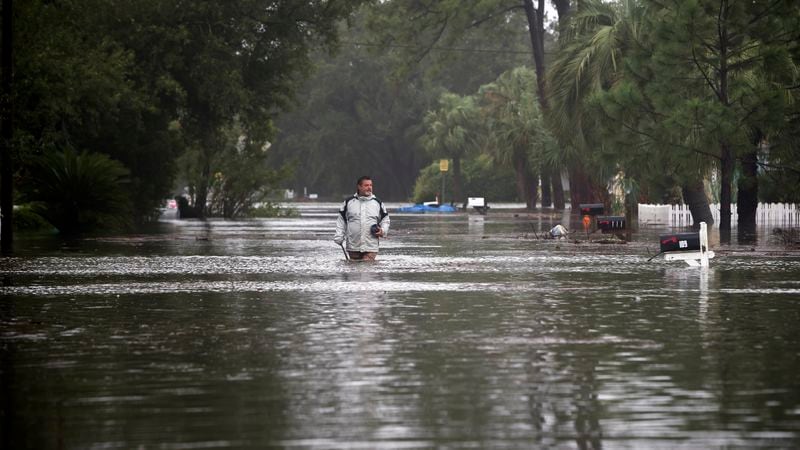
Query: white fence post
784,215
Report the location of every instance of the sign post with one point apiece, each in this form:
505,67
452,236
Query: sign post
443,166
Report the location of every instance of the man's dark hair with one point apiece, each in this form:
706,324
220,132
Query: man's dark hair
365,177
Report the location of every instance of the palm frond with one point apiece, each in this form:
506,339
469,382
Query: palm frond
80,192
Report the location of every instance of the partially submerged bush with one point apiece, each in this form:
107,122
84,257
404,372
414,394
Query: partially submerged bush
79,192
270,209
26,219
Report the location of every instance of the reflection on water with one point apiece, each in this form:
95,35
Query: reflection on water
467,333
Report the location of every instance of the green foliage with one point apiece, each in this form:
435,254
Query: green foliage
76,86
674,90
429,184
270,209
482,178
26,219
736,81
79,192
511,111
451,132
429,36
779,186
486,179
354,120
516,136
636,86
595,96
145,81
230,63
243,178
450,129
361,110
459,44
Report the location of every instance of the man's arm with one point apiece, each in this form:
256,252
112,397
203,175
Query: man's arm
385,222
341,227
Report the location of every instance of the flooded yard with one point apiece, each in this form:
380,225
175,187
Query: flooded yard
468,332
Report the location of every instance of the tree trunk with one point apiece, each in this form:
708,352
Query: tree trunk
210,143
562,7
523,182
726,153
533,187
201,195
631,215
535,18
458,185
558,190
726,182
580,188
547,199
6,134
747,196
694,195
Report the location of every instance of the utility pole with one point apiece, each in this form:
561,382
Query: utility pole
6,134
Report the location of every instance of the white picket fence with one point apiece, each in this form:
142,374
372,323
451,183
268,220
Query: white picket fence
784,215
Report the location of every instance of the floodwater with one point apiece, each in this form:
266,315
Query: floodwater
469,332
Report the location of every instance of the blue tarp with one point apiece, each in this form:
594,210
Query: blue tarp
420,208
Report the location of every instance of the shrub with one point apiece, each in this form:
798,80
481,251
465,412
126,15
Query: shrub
26,219
79,192
482,178
270,209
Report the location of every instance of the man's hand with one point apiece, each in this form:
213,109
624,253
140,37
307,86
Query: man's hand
379,233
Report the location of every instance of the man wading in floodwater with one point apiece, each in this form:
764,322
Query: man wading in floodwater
362,221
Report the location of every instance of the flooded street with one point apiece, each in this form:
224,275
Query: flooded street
469,332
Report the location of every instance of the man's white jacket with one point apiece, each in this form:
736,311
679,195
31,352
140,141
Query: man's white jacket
356,216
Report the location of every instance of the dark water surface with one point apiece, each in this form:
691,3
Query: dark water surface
467,333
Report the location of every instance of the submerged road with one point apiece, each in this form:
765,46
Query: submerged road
469,332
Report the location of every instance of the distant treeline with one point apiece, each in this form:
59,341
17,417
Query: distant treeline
120,105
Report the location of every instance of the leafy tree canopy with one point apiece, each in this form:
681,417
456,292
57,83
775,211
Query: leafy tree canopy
144,81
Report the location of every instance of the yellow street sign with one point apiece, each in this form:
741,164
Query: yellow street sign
443,163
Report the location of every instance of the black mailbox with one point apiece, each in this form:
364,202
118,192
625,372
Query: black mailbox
680,242
591,209
610,224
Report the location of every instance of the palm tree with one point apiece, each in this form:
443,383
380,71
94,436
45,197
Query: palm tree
589,61
589,66
450,133
79,192
516,135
